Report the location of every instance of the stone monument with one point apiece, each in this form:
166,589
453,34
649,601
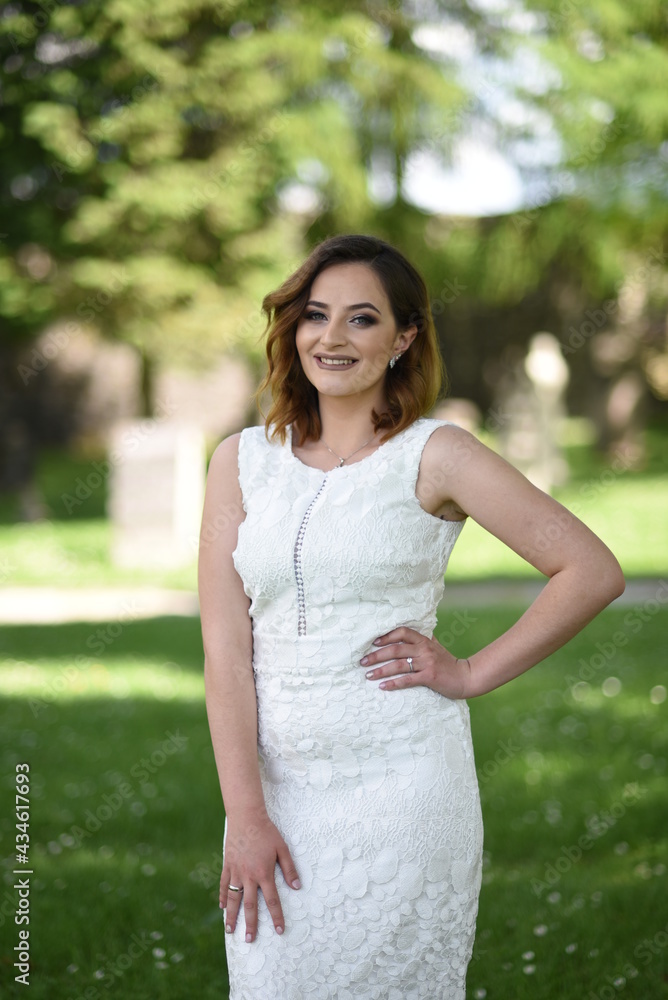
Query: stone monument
156,491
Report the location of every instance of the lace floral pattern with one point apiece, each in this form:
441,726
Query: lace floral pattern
375,792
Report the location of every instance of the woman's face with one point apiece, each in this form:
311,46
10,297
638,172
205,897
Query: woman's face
348,316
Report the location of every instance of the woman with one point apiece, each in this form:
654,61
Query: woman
353,831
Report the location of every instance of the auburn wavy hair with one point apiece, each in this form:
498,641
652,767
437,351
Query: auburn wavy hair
412,386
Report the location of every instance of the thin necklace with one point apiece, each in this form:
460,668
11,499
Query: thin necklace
342,460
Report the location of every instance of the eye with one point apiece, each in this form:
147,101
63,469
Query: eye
314,314
368,320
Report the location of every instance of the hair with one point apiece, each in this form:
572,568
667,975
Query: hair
412,386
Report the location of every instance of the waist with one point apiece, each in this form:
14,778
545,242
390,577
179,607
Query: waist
315,650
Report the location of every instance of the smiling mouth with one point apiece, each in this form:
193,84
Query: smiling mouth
336,362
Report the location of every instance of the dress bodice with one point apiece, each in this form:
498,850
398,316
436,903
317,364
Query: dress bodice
320,552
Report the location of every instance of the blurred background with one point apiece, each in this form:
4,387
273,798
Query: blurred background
162,169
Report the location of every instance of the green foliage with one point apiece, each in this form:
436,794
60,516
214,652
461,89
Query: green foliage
198,152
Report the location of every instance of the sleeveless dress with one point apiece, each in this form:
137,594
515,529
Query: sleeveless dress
374,791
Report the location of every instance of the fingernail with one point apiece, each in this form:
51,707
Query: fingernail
365,659
376,642
228,928
248,937
279,930
383,685
296,884
221,905
369,673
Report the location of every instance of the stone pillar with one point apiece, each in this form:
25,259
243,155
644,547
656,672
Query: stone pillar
156,492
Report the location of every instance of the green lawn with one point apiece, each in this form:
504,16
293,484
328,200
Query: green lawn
127,819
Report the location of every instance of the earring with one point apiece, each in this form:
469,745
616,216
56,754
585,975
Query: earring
394,360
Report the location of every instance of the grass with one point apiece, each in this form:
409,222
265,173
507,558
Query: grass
626,509
124,898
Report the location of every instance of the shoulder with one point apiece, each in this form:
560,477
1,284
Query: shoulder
226,452
450,446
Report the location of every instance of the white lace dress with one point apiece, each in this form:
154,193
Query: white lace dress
374,791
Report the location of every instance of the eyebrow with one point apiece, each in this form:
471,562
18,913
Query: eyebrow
357,305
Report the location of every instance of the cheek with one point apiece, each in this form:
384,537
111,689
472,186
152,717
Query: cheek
302,337
299,340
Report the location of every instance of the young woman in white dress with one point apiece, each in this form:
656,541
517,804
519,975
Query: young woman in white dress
353,832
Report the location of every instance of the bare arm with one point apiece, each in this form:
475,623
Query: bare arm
231,702
253,844
584,575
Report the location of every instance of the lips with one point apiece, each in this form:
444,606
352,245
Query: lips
336,363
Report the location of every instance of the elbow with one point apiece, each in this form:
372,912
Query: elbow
620,582
612,582
598,581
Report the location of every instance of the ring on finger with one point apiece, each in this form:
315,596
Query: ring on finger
409,661
235,888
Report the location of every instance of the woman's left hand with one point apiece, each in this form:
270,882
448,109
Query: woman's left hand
433,665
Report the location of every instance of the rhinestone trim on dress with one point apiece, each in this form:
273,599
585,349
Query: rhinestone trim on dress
301,602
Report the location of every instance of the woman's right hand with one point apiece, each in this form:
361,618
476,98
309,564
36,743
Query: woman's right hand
251,852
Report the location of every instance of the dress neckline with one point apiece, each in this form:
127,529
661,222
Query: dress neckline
338,468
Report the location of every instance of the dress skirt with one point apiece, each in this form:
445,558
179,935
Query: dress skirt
376,795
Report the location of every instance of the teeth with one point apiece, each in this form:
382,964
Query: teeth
335,361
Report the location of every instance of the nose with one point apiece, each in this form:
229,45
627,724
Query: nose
333,334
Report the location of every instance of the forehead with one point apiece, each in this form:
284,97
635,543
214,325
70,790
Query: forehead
348,283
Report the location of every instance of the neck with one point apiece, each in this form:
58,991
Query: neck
347,425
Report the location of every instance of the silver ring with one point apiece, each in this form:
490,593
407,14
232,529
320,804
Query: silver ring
409,661
235,888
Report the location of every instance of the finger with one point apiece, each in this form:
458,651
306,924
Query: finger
404,680
232,907
391,652
401,634
226,880
391,636
273,902
288,867
222,891
250,912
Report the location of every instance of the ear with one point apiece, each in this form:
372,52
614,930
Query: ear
406,338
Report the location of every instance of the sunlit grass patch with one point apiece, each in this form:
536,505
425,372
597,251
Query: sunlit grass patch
126,836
